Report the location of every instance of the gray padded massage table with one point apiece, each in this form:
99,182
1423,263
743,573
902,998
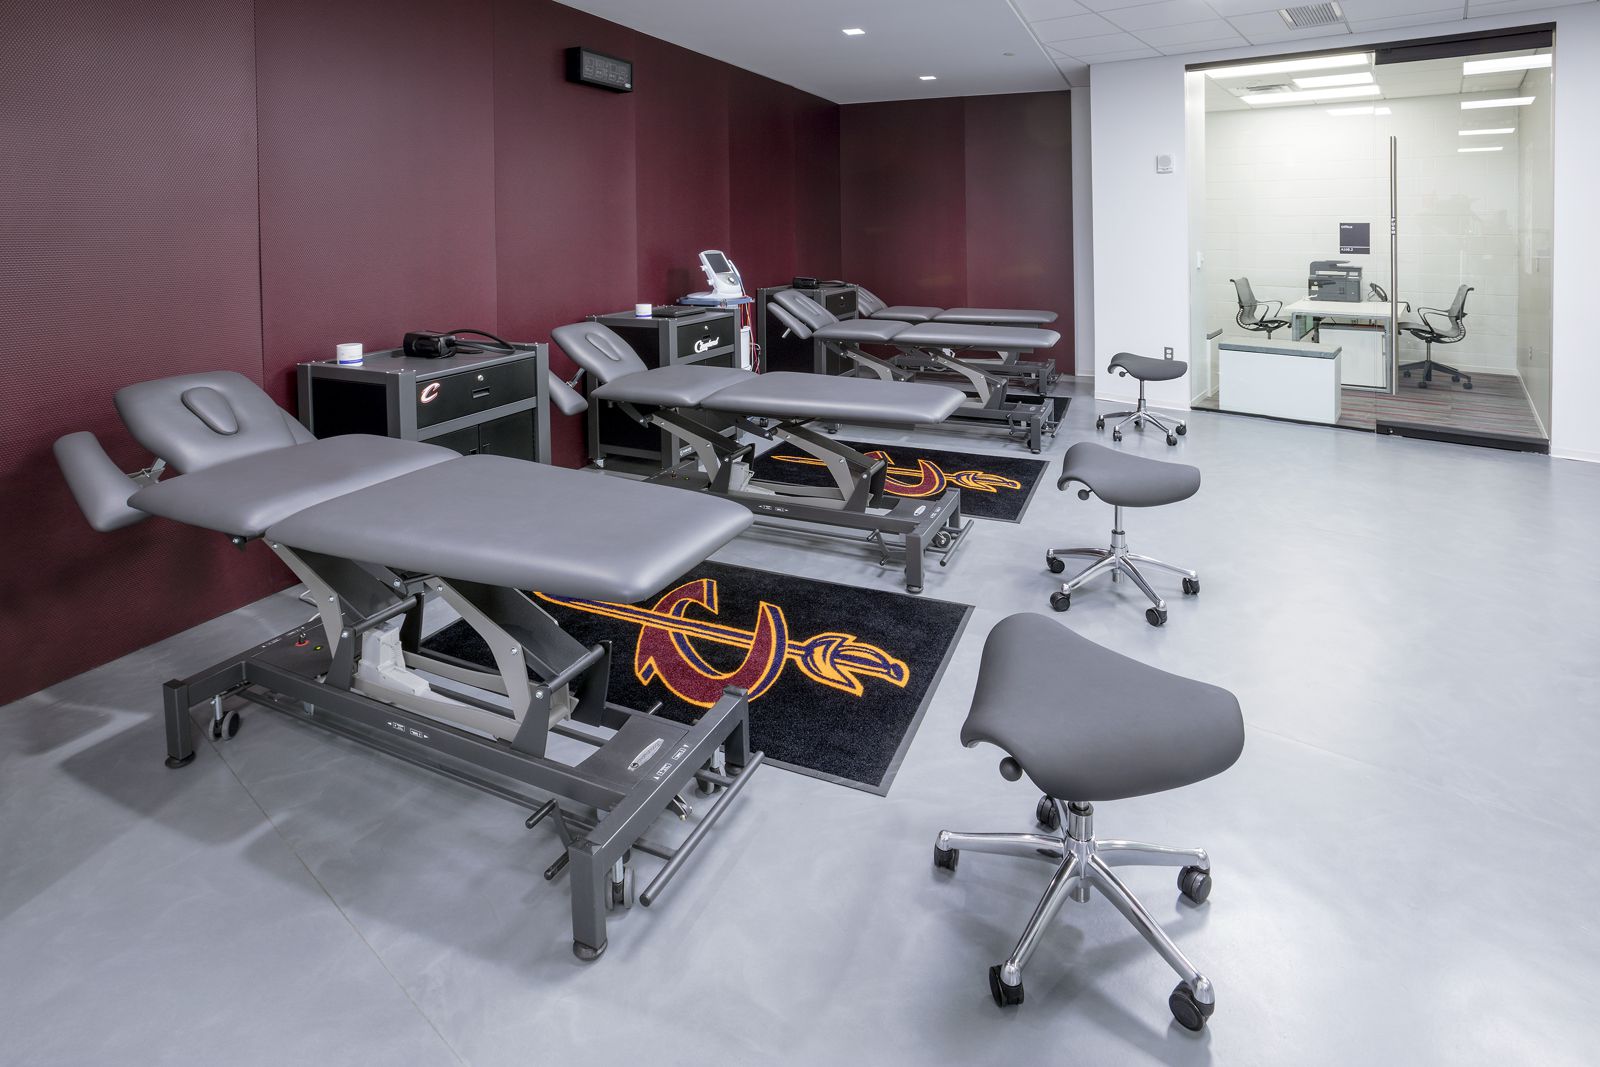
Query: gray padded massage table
378,527
1039,373
856,501
927,347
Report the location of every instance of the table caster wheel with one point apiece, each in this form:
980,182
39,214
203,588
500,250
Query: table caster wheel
940,540
1035,451
1405,374
1182,430
1195,884
1171,439
1046,814
1155,617
1116,435
945,859
1056,565
1099,424
1467,385
226,727
1189,1012
1008,996
621,896
706,789
1191,586
585,953
1060,601
1455,377
1422,385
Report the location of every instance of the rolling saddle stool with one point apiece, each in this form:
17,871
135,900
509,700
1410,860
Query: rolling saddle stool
1144,369
1086,725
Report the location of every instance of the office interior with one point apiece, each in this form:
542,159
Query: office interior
541,531
1291,177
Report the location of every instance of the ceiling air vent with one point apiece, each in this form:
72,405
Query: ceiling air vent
1311,16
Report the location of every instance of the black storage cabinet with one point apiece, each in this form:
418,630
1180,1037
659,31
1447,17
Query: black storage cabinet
791,353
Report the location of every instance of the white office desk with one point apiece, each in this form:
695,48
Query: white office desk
1366,357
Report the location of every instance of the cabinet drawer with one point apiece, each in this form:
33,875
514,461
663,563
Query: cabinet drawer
842,302
698,337
471,391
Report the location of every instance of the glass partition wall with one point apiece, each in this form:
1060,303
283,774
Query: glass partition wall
1399,212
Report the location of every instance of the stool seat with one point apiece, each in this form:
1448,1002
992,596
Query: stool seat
1125,480
1146,369
1096,725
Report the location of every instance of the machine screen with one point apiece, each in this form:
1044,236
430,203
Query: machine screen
718,263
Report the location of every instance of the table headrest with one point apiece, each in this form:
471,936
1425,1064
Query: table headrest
598,349
194,421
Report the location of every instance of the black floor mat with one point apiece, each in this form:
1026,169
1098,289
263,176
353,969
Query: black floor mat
992,487
1061,402
838,694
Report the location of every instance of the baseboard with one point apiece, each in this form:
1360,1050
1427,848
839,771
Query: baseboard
1575,453
1479,438
1545,430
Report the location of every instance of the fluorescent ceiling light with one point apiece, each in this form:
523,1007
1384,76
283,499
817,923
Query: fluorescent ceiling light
1496,148
853,31
1497,66
1313,96
1360,109
1487,133
1509,101
1289,66
1328,81
927,77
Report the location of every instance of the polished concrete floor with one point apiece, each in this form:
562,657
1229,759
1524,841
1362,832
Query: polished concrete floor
1406,856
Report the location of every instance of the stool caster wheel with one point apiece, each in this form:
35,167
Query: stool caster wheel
1035,451
1138,424
1171,439
621,895
1405,374
1195,884
1191,587
945,859
1116,435
1155,616
1455,377
1183,429
1422,385
1099,424
1467,385
1009,996
1060,601
1189,1012
706,789
585,952
225,727
1056,565
1046,815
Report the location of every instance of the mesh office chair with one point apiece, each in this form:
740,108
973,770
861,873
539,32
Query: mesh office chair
1258,315
1439,327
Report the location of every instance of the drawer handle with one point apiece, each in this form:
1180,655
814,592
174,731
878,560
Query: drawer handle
479,394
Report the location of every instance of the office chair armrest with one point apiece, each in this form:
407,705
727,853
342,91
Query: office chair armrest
1423,313
1276,306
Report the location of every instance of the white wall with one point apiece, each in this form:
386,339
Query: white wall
1536,231
1141,224
1280,181
1082,237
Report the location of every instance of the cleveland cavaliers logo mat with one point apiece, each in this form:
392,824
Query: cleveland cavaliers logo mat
926,479
667,652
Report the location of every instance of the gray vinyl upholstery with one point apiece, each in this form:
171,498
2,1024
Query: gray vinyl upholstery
861,331
998,316
908,313
1126,480
810,315
1089,724
200,420
507,522
242,497
788,395
598,349
1148,369
675,385
987,338
867,302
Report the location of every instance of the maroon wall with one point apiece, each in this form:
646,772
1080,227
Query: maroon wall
422,163
962,202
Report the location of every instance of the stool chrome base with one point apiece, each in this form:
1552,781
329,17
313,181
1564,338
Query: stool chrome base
1084,864
1140,415
1118,561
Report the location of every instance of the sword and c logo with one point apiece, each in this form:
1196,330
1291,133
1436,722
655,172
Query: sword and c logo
666,650
928,479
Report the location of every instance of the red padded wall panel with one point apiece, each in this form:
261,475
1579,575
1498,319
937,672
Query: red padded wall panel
819,226
127,251
565,195
681,141
904,200
377,174
1019,207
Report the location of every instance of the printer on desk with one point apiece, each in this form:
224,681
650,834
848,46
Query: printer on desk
1334,280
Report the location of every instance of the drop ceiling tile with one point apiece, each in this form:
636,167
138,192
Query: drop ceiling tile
1193,47
1230,8
1189,33
1378,9
1092,48
1118,57
1072,27
1166,13
1077,74
1034,10
1502,7
1111,5
1267,28
1415,18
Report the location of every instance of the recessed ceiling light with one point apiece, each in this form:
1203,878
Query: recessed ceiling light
1510,101
1328,81
1487,133
1496,148
1311,96
927,77
1497,66
854,31
1289,66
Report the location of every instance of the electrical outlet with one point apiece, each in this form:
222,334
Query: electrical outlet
1166,353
